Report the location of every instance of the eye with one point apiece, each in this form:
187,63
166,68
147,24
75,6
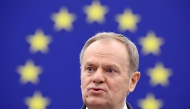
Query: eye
110,70
90,69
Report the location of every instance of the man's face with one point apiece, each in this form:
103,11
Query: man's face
104,74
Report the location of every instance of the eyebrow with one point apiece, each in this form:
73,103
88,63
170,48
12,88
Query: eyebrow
89,63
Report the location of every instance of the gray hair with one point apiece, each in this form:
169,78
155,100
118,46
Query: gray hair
130,46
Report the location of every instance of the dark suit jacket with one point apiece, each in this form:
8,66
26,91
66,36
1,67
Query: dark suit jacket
128,106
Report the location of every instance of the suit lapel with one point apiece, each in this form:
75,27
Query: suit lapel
83,107
129,106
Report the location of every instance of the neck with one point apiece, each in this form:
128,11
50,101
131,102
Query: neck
107,107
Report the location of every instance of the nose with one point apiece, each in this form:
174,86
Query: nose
98,77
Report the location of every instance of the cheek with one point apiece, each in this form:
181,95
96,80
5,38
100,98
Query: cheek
116,87
83,85
84,82
119,86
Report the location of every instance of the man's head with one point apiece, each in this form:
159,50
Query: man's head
109,64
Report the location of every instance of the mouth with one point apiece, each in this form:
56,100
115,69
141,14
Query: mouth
96,90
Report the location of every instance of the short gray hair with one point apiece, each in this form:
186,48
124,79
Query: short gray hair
130,46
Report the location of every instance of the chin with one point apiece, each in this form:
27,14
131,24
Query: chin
94,101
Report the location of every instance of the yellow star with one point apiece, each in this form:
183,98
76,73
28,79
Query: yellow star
127,21
37,101
29,72
95,12
151,43
39,42
150,102
63,20
159,75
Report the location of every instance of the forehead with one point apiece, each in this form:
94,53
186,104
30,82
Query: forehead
105,48
106,43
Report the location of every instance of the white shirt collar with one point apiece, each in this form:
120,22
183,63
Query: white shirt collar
125,107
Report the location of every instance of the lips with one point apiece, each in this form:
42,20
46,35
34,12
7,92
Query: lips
96,89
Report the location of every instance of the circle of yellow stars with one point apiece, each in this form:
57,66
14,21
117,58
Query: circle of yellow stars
63,20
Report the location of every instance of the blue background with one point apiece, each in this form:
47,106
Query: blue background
60,79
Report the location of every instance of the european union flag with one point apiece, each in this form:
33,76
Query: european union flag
40,43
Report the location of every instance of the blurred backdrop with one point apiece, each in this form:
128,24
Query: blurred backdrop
40,42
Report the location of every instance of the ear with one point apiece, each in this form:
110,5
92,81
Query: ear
134,78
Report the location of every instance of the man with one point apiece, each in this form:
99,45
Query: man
109,64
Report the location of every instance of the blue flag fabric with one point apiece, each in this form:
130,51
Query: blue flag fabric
40,43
